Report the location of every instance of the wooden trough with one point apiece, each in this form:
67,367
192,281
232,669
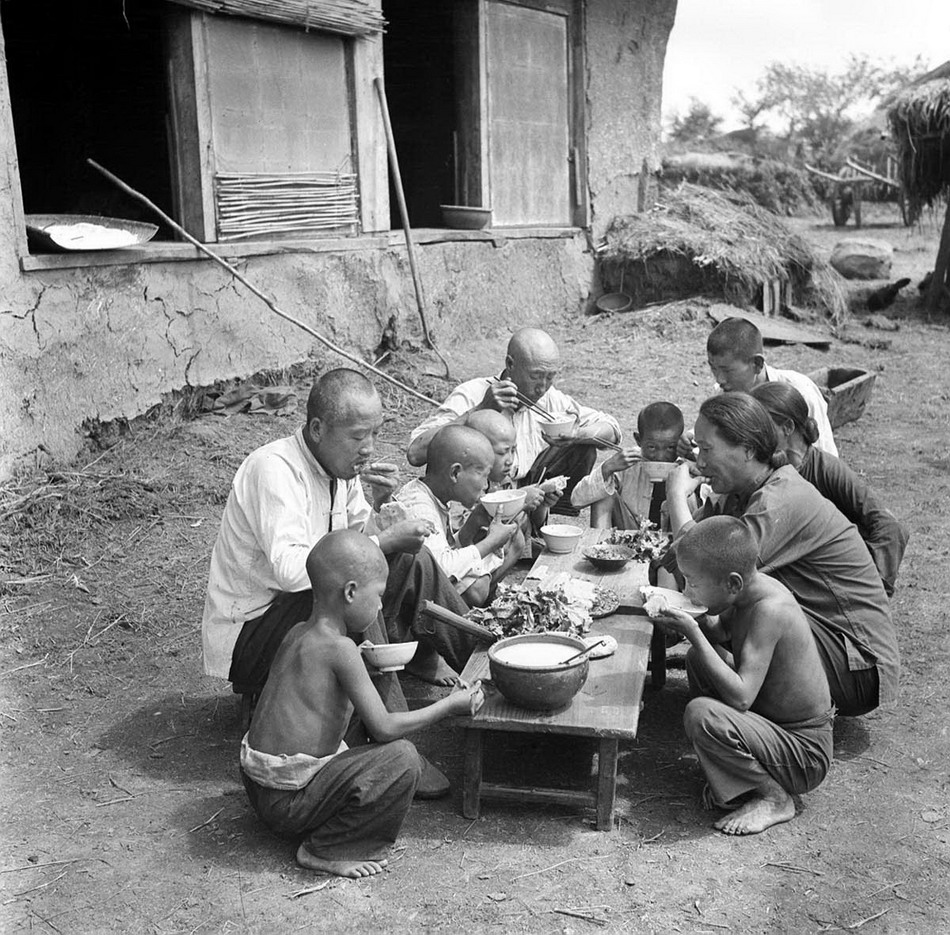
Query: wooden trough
847,390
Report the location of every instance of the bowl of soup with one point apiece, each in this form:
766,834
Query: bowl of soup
561,426
388,657
531,672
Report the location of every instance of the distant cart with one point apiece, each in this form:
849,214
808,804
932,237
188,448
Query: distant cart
848,191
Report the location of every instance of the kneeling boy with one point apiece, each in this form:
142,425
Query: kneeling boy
761,716
347,804
458,465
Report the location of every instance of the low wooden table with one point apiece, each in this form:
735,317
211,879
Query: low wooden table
607,708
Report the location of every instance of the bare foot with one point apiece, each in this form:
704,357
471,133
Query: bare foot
432,668
758,814
354,869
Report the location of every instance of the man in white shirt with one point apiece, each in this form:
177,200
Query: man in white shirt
531,365
284,498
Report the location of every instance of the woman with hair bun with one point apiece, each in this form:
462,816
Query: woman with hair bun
803,541
883,534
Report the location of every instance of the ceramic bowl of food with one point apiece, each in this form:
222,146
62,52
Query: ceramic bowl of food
656,471
560,537
504,504
388,657
657,600
530,671
608,557
558,427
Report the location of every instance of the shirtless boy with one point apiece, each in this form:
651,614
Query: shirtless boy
348,805
761,716
460,460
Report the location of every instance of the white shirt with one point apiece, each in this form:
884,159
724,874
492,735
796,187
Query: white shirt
462,565
817,406
278,508
529,442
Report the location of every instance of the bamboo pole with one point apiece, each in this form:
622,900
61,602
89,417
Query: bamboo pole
404,215
326,342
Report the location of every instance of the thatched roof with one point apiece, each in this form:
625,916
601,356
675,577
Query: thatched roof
727,233
919,119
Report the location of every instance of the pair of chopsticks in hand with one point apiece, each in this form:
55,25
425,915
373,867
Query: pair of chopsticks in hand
548,417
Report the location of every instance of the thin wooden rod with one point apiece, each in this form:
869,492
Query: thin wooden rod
326,342
404,215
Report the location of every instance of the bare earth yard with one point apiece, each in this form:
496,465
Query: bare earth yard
123,810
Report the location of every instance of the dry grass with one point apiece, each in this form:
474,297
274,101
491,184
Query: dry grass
734,245
920,124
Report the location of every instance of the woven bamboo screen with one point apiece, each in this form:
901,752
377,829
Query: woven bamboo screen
258,204
347,17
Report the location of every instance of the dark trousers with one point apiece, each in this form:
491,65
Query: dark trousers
352,809
854,692
573,461
412,580
738,749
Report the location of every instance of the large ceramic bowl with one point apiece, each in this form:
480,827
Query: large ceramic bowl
528,670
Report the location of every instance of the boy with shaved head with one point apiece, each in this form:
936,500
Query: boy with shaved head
532,363
460,461
347,804
761,716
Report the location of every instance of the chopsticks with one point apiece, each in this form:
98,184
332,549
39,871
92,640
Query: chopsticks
530,404
541,411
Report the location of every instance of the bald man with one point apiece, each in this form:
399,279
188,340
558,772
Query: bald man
284,498
531,366
457,471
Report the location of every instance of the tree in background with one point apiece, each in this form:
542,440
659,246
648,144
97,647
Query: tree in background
699,124
817,108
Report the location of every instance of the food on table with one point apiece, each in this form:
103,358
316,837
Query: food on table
609,551
606,601
647,543
560,603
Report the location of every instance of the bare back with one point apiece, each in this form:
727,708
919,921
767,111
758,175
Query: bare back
303,707
795,687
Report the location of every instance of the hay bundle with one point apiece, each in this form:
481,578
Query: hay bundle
731,247
920,124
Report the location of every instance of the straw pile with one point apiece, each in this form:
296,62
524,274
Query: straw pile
254,204
347,17
920,124
701,241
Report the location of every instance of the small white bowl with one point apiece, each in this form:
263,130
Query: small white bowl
504,504
388,657
560,537
560,428
657,470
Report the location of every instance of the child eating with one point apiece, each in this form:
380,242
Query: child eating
348,804
460,460
761,715
630,486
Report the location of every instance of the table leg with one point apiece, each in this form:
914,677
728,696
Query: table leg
472,779
606,783
658,657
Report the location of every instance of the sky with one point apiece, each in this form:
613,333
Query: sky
719,45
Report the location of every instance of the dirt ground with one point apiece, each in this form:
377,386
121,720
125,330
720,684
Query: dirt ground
123,811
